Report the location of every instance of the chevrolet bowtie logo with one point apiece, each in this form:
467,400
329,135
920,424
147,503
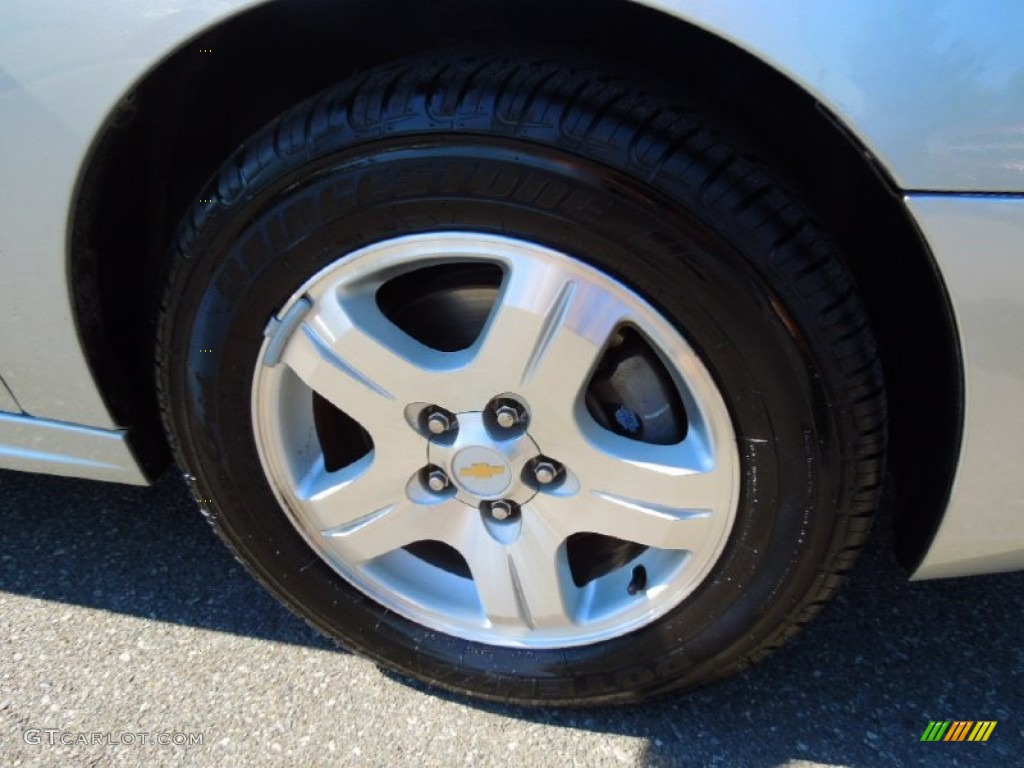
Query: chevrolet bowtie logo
481,471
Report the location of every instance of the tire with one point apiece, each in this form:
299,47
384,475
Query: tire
511,279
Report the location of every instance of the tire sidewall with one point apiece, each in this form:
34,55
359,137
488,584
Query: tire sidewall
708,282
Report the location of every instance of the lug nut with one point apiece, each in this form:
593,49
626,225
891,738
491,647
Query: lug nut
437,480
545,472
507,416
501,510
438,423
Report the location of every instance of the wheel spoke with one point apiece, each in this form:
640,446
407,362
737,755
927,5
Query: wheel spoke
682,476
546,334
658,495
340,352
525,583
664,487
387,529
333,499
642,522
375,481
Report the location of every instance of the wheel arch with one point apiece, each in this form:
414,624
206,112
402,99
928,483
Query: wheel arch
176,126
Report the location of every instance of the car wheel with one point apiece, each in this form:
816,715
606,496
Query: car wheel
523,379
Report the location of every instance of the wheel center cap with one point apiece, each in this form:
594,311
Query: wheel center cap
482,471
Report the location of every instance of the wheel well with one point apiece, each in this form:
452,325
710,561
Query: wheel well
169,135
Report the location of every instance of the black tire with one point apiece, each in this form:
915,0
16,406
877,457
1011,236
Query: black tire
629,178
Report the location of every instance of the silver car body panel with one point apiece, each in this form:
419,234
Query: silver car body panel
935,91
979,245
7,402
38,445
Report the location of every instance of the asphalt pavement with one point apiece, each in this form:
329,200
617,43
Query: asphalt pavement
123,620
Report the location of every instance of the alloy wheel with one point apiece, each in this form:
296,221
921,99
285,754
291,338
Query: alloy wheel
533,458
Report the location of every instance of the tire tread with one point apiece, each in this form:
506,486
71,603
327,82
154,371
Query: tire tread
585,111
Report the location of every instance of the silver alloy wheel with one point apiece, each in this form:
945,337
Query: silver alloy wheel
551,322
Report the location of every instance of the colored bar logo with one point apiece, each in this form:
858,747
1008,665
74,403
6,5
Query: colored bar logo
958,730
